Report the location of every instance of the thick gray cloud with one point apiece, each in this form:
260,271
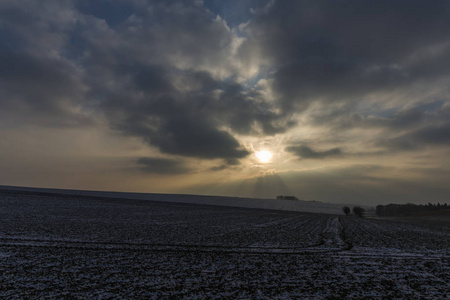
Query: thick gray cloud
340,51
162,70
347,117
162,166
189,79
305,152
152,70
176,123
419,139
37,85
417,128
171,97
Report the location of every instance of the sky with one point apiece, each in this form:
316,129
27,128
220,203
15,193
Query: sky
332,101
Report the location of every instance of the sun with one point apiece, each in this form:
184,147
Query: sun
263,156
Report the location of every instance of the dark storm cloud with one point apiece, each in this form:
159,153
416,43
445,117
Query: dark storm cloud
237,108
405,119
412,118
162,166
191,137
347,117
306,152
150,69
113,12
338,50
175,123
229,164
419,139
170,72
37,85
181,110
416,128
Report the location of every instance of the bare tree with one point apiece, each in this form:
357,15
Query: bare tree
359,211
346,210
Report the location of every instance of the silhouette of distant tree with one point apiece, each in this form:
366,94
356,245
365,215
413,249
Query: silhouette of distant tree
380,210
346,210
359,211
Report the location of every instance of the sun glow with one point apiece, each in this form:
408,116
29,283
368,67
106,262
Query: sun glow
263,156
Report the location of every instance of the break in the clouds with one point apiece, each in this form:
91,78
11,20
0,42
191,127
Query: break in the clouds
208,83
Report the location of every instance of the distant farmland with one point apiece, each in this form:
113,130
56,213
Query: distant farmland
87,247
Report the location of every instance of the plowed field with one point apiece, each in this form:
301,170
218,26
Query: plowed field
81,247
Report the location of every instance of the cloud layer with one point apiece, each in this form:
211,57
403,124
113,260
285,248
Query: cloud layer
199,81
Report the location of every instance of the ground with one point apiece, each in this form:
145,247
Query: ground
87,247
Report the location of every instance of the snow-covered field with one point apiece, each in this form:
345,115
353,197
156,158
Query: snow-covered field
84,247
289,205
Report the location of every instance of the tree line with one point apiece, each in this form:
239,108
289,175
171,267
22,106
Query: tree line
281,197
357,210
392,210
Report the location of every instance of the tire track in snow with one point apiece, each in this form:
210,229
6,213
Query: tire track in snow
334,235
136,247
107,246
